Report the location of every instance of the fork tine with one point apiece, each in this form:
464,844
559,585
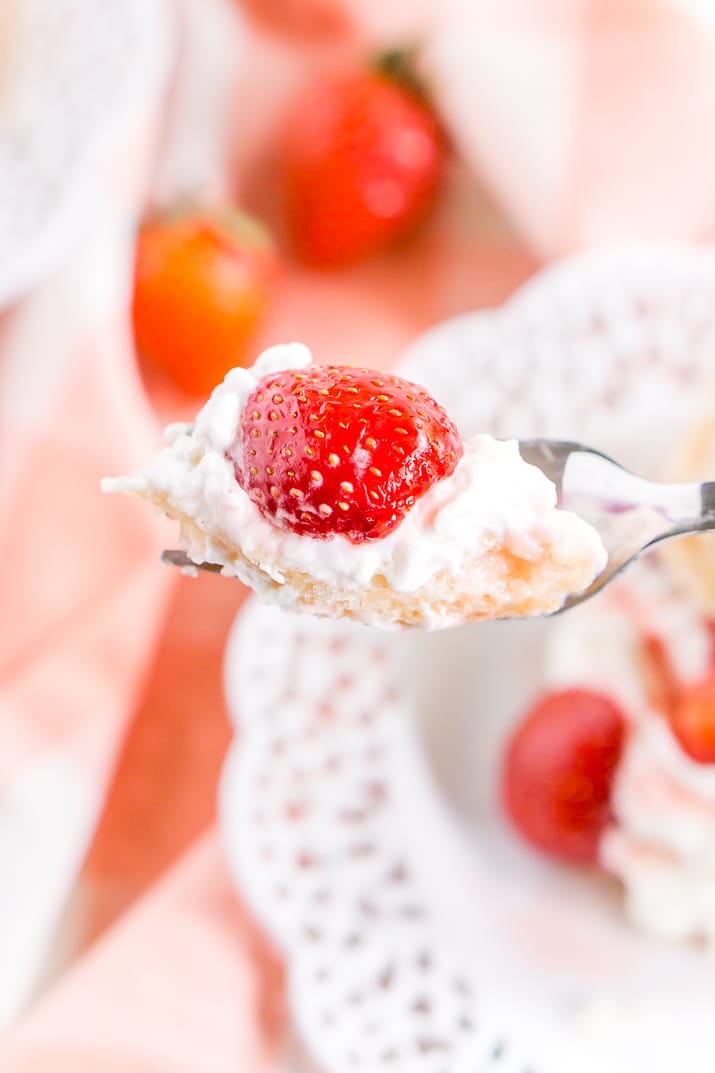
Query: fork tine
179,558
550,456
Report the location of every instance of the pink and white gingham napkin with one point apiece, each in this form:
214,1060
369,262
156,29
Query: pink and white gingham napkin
173,988
83,592
82,589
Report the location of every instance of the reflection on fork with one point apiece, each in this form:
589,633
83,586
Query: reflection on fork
630,514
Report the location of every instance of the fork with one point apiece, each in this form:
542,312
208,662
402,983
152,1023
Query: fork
630,514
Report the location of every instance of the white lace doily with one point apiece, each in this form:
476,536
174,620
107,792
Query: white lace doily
358,806
80,71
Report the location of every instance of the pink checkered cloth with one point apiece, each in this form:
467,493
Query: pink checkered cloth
173,988
83,589
83,594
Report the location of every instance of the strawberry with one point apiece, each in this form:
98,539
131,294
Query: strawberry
334,449
692,720
203,285
363,158
558,772
302,20
660,680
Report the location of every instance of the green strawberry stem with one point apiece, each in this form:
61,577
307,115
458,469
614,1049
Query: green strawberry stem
399,65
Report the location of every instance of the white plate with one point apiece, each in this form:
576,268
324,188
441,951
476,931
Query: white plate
359,809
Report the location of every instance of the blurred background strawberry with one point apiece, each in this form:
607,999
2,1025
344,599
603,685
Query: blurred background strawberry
306,20
203,286
558,773
363,160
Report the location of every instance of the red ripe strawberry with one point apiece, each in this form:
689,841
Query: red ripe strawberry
302,20
204,282
363,158
333,449
692,720
558,772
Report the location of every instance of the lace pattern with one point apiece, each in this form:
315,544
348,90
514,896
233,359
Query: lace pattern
331,824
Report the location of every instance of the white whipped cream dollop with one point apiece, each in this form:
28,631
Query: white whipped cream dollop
493,499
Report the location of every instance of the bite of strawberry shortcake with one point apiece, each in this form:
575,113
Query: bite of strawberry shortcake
346,491
615,765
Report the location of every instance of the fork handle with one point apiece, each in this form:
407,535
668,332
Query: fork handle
591,480
707,500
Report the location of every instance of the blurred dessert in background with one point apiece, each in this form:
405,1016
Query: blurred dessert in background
692,559
348,492
646,649
645,646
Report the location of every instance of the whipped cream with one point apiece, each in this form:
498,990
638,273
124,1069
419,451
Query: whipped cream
492,500
662,843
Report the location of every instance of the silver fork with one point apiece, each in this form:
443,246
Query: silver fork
630,513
